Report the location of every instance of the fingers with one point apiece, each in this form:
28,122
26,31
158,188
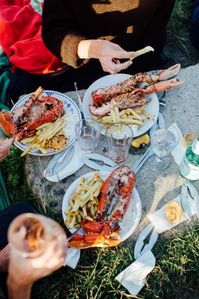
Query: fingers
109,66
5,145
122,54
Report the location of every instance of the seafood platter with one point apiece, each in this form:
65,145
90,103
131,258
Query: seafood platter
129,99
104,207
42,123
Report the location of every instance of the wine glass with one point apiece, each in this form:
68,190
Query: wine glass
163,142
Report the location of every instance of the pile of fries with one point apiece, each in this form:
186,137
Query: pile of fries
49,135
129,116
83,203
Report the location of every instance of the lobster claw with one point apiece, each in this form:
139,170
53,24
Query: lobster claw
6,123
169,73
163,86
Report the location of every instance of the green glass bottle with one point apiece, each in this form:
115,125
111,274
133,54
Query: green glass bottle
189,167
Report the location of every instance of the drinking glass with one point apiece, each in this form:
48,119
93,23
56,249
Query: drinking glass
30,235
163,142
119,137
88,133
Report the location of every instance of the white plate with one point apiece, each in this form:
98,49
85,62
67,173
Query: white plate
73,115
152,107
133,214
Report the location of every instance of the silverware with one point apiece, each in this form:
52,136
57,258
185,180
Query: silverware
186,201
162,99
80,101
136,167
160,123
99,162
57,161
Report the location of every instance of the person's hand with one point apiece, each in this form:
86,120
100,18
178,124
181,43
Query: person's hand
4,258
25,271
5,145
108,53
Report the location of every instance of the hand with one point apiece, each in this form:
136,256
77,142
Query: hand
25,271
108,53
4,258
5,145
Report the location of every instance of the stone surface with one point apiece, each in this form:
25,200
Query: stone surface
182,107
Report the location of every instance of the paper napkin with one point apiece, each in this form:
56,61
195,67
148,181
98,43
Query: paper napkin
72,257
73,165
133,278
159,220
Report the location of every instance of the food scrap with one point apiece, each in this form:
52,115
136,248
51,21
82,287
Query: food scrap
141,141
173,211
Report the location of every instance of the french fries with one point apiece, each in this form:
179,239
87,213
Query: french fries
42,140
128,116
83,203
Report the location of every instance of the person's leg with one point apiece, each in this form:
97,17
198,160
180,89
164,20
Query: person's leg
23,82
6,217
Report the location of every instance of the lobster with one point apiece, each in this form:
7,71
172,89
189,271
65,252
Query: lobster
23,121
114,199
128,93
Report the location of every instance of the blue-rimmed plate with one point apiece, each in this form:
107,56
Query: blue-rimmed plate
72,112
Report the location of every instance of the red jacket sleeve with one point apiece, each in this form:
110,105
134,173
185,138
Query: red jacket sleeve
20,37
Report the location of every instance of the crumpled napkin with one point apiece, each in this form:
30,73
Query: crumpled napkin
133,278
72,257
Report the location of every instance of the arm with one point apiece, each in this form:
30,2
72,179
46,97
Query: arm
60,32
4,257
23,272
62,35
5,145
16,291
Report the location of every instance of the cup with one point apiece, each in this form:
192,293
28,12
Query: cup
163,142
88,133
119,137
30,235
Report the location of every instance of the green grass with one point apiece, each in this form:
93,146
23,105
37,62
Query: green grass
176,274
179,47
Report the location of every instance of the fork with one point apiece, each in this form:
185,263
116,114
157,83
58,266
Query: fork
100,162
159,123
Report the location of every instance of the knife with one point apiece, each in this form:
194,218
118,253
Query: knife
99,162
186,201
160,123
194,195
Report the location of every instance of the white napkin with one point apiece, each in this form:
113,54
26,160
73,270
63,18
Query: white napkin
73,165
179,150
159,220
72,257
133,278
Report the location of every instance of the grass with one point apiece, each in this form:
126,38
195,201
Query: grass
176,274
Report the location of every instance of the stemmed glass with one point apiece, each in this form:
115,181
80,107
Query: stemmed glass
163,142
